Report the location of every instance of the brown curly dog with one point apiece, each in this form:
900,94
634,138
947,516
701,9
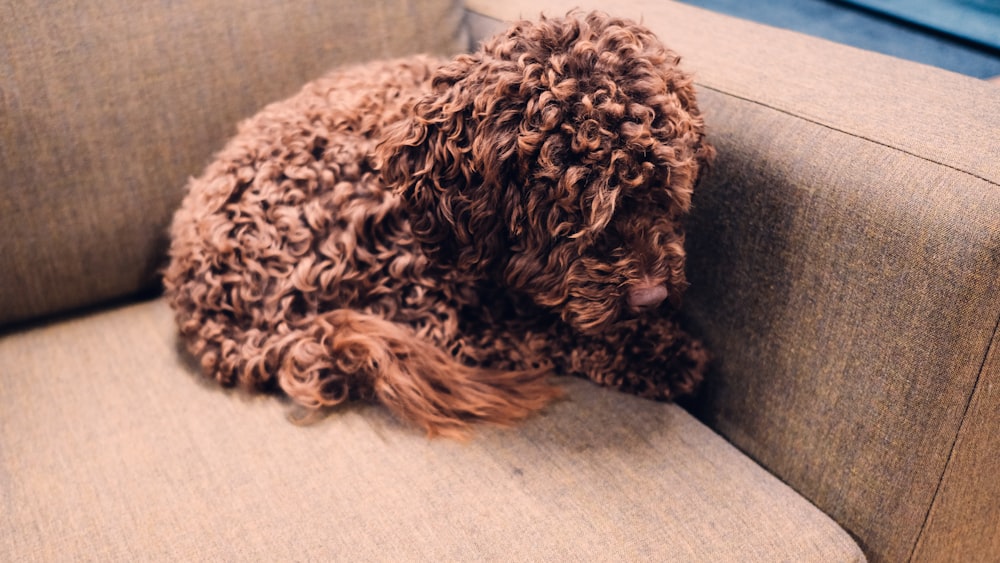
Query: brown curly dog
442,236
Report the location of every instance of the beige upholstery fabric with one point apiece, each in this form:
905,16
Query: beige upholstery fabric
845,270
111,449
850,308
963,519
107,107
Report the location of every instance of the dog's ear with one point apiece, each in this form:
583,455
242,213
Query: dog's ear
448,172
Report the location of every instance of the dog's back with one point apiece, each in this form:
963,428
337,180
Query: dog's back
293,267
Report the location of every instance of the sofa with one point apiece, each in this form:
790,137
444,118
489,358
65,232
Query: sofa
844,253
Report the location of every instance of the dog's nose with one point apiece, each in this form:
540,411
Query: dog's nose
645,297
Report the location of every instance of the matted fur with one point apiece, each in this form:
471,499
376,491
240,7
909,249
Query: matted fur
442,236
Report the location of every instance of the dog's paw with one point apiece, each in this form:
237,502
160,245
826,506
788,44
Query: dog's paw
652,359
668,368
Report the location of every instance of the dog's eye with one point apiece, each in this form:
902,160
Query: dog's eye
609,244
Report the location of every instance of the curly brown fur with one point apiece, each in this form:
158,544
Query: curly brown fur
441,236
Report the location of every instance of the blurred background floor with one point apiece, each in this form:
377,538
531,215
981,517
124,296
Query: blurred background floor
889,27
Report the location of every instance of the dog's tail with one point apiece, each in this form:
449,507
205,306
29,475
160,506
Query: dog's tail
345,353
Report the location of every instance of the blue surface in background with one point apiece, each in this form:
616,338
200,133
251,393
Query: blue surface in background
844,23
977,21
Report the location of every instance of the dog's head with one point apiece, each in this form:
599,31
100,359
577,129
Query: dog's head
557,160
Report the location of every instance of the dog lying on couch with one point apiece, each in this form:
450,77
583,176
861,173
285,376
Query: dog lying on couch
441,236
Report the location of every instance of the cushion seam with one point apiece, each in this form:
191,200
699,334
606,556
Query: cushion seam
845,132
951,453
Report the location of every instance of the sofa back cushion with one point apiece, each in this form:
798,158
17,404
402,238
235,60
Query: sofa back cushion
106,108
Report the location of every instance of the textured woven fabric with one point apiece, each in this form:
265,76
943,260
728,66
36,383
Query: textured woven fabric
844,262
962,523
107,107
849,307
112,449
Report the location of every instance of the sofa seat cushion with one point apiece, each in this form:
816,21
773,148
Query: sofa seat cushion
112,448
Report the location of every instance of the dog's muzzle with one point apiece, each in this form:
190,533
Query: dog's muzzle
646,297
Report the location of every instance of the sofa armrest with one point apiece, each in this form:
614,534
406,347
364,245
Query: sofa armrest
849,290
843,257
